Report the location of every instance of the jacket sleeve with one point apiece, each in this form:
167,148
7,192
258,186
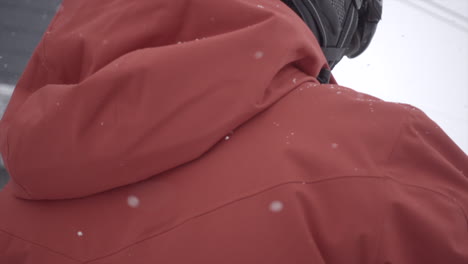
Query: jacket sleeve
426,219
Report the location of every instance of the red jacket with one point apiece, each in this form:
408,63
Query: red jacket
195,131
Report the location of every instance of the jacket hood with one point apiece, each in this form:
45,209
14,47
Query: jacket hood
119,91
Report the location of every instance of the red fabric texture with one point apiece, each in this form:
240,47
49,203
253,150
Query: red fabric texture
196,131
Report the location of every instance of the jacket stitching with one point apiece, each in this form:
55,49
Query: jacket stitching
39,245
446,196
378,251
405,123
43,53
216,208
181,223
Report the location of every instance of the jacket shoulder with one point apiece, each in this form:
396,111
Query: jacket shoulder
358,123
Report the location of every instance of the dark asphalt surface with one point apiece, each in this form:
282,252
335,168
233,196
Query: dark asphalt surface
4,178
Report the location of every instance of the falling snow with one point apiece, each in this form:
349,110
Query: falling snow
276,124
59,8
334,145
339,92
133,201
79,233
229,135
260,6
102,123
276,206
288,136
371,108
294,80
258,55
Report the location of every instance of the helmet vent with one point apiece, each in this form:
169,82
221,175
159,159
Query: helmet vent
339,6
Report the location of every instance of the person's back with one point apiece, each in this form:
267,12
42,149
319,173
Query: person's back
205,131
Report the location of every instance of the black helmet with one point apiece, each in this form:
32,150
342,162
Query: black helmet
342,27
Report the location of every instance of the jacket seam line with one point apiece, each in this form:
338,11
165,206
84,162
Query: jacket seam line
216,208
41,246
387,173
438,193
378,251
43,57
403,125
245,197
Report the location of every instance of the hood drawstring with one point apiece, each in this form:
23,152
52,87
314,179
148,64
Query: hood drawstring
324,76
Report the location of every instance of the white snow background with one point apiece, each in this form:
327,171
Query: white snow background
419,56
